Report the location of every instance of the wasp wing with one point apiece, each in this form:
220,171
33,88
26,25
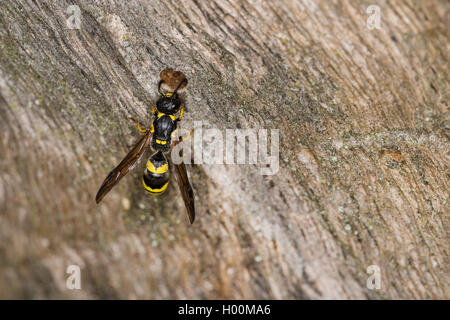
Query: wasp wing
185,186
186,190
127,164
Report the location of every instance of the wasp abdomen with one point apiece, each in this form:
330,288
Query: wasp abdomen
156,175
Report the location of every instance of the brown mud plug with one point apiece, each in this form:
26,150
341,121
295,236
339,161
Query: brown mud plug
172,79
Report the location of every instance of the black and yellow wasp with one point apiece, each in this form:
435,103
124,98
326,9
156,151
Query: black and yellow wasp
159,136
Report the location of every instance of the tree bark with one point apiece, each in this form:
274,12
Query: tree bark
363,120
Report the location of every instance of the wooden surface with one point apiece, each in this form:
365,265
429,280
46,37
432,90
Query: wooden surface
363,120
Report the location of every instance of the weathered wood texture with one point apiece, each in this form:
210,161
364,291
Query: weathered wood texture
363,118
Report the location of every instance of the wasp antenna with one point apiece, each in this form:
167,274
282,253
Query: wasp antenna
181,83
159,87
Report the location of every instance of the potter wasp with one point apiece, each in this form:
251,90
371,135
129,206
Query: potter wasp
159,137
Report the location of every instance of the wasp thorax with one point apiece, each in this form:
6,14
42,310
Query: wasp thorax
168,105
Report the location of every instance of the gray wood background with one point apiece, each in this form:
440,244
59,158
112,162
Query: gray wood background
363,120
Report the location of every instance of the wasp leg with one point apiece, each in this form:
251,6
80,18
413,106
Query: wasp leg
138,126
181,138
181,112
186,137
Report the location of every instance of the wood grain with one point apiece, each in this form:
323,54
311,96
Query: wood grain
363,119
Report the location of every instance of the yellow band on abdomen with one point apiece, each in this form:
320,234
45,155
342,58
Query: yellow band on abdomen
161,169
160,141
155,191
